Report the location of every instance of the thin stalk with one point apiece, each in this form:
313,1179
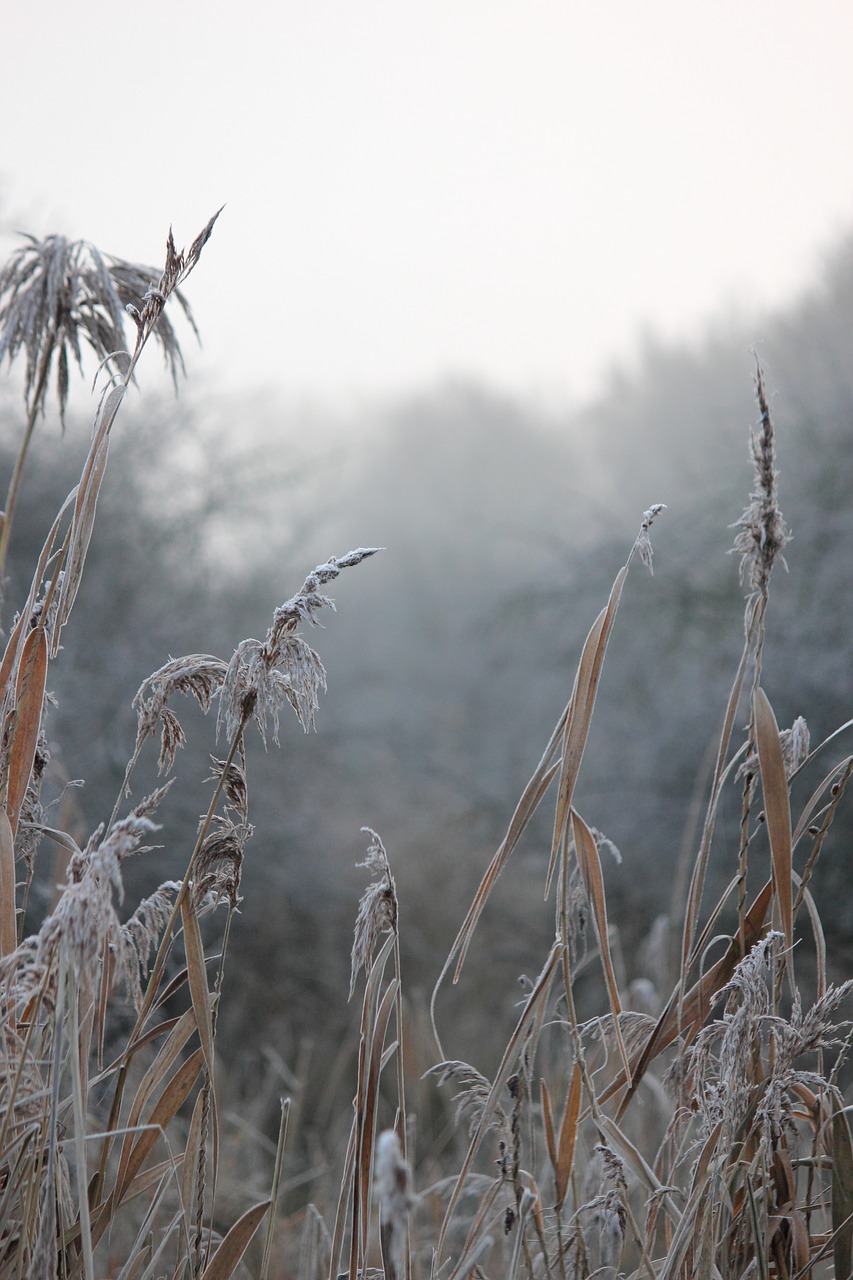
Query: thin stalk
276,1181
75,1049
36,407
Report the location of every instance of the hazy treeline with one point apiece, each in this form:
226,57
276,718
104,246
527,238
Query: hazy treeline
451,654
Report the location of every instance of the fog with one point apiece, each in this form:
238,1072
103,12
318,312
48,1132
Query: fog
503,522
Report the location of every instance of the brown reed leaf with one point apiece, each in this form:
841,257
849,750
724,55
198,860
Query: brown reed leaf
530,800
579,716
366,1049
31,614
24,730
777,808
548,1123
169,1103
85,506
366,1105
568,1135
590,865
179,1034
227,1256
197,973
8,915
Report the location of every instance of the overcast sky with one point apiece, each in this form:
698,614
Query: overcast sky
503,189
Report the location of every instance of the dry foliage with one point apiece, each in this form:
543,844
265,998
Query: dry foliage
698,1131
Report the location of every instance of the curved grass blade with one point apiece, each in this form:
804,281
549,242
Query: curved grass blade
8,916
224,1262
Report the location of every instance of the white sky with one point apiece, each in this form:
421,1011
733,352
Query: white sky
506,189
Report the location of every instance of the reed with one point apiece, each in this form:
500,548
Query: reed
695,1131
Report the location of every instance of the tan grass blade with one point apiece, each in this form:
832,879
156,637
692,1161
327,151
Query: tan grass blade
697,880
524,811
367,1107
777,808
568,1135
842,1190
581,707
548,1123
86,504
10,656
8,916
171,1100
26,719
807,816
148,1177
76,1050
337,1243
471,1258
224,1262
197,973
151,1081
350,1184
590,865
276,1182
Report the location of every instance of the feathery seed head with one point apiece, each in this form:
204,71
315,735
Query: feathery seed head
198,675
377,910
220,861
234,785
149,318
474,1093
643,545
264,676
763,532
56,294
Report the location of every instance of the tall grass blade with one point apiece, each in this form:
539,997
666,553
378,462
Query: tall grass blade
777,808
85,505
170,1102
197,974
548,1123
579,718
276,1182
368,1110
8,910
590,865
568,1135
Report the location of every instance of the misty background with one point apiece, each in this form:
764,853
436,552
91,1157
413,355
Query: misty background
490,281
452,653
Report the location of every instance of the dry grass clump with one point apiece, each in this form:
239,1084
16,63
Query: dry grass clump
698,1130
